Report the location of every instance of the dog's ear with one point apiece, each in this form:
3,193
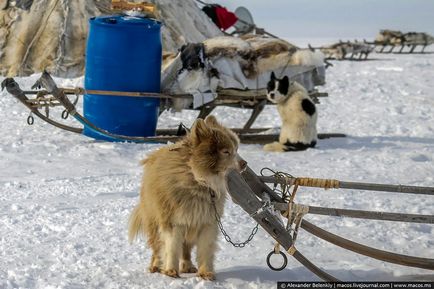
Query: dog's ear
199,131
284,85
273,77
211,120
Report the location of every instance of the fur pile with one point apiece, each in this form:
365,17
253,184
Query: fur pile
241,63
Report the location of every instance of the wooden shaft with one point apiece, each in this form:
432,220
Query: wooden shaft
383,216
313,268
368,251
134,94
387,188
366,186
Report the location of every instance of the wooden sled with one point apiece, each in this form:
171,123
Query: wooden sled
397,39
39,102
261,202
351,51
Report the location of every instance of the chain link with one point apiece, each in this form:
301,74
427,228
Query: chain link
226,235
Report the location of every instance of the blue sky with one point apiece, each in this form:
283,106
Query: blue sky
337,18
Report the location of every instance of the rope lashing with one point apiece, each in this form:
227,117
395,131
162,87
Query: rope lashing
313,182
294,214
292,250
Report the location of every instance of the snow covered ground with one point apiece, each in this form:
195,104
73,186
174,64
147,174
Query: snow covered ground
65,199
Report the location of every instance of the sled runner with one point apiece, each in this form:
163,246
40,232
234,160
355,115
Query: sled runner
40,103
266,206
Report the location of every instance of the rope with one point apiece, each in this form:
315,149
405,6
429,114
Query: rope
312,182
295,212
281,178
291,251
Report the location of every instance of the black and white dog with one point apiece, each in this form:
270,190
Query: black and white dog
298,114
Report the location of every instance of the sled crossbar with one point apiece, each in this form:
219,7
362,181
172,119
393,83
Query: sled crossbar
311,182
360,214
229,95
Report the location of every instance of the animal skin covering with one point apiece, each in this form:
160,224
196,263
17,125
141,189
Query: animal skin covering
245,64
51,34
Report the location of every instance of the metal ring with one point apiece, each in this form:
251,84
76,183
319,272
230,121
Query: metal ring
65,114
285,261
30,120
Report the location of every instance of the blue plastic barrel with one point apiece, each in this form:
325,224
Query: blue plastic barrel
123,53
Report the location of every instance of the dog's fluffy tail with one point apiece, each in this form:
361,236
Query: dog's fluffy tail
136,226
275,147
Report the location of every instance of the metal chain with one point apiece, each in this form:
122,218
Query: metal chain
223,231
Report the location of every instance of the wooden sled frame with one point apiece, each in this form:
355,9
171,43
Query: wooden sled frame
52,96
357,53
382,46
251,193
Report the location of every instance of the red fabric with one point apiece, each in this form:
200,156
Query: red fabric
225,18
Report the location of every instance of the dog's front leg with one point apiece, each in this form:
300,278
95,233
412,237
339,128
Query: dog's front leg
173,239
186,266
206,247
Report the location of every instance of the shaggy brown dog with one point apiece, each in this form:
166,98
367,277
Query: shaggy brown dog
175,210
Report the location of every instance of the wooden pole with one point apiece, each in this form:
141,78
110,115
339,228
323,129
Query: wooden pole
358,186
405,260
383,216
